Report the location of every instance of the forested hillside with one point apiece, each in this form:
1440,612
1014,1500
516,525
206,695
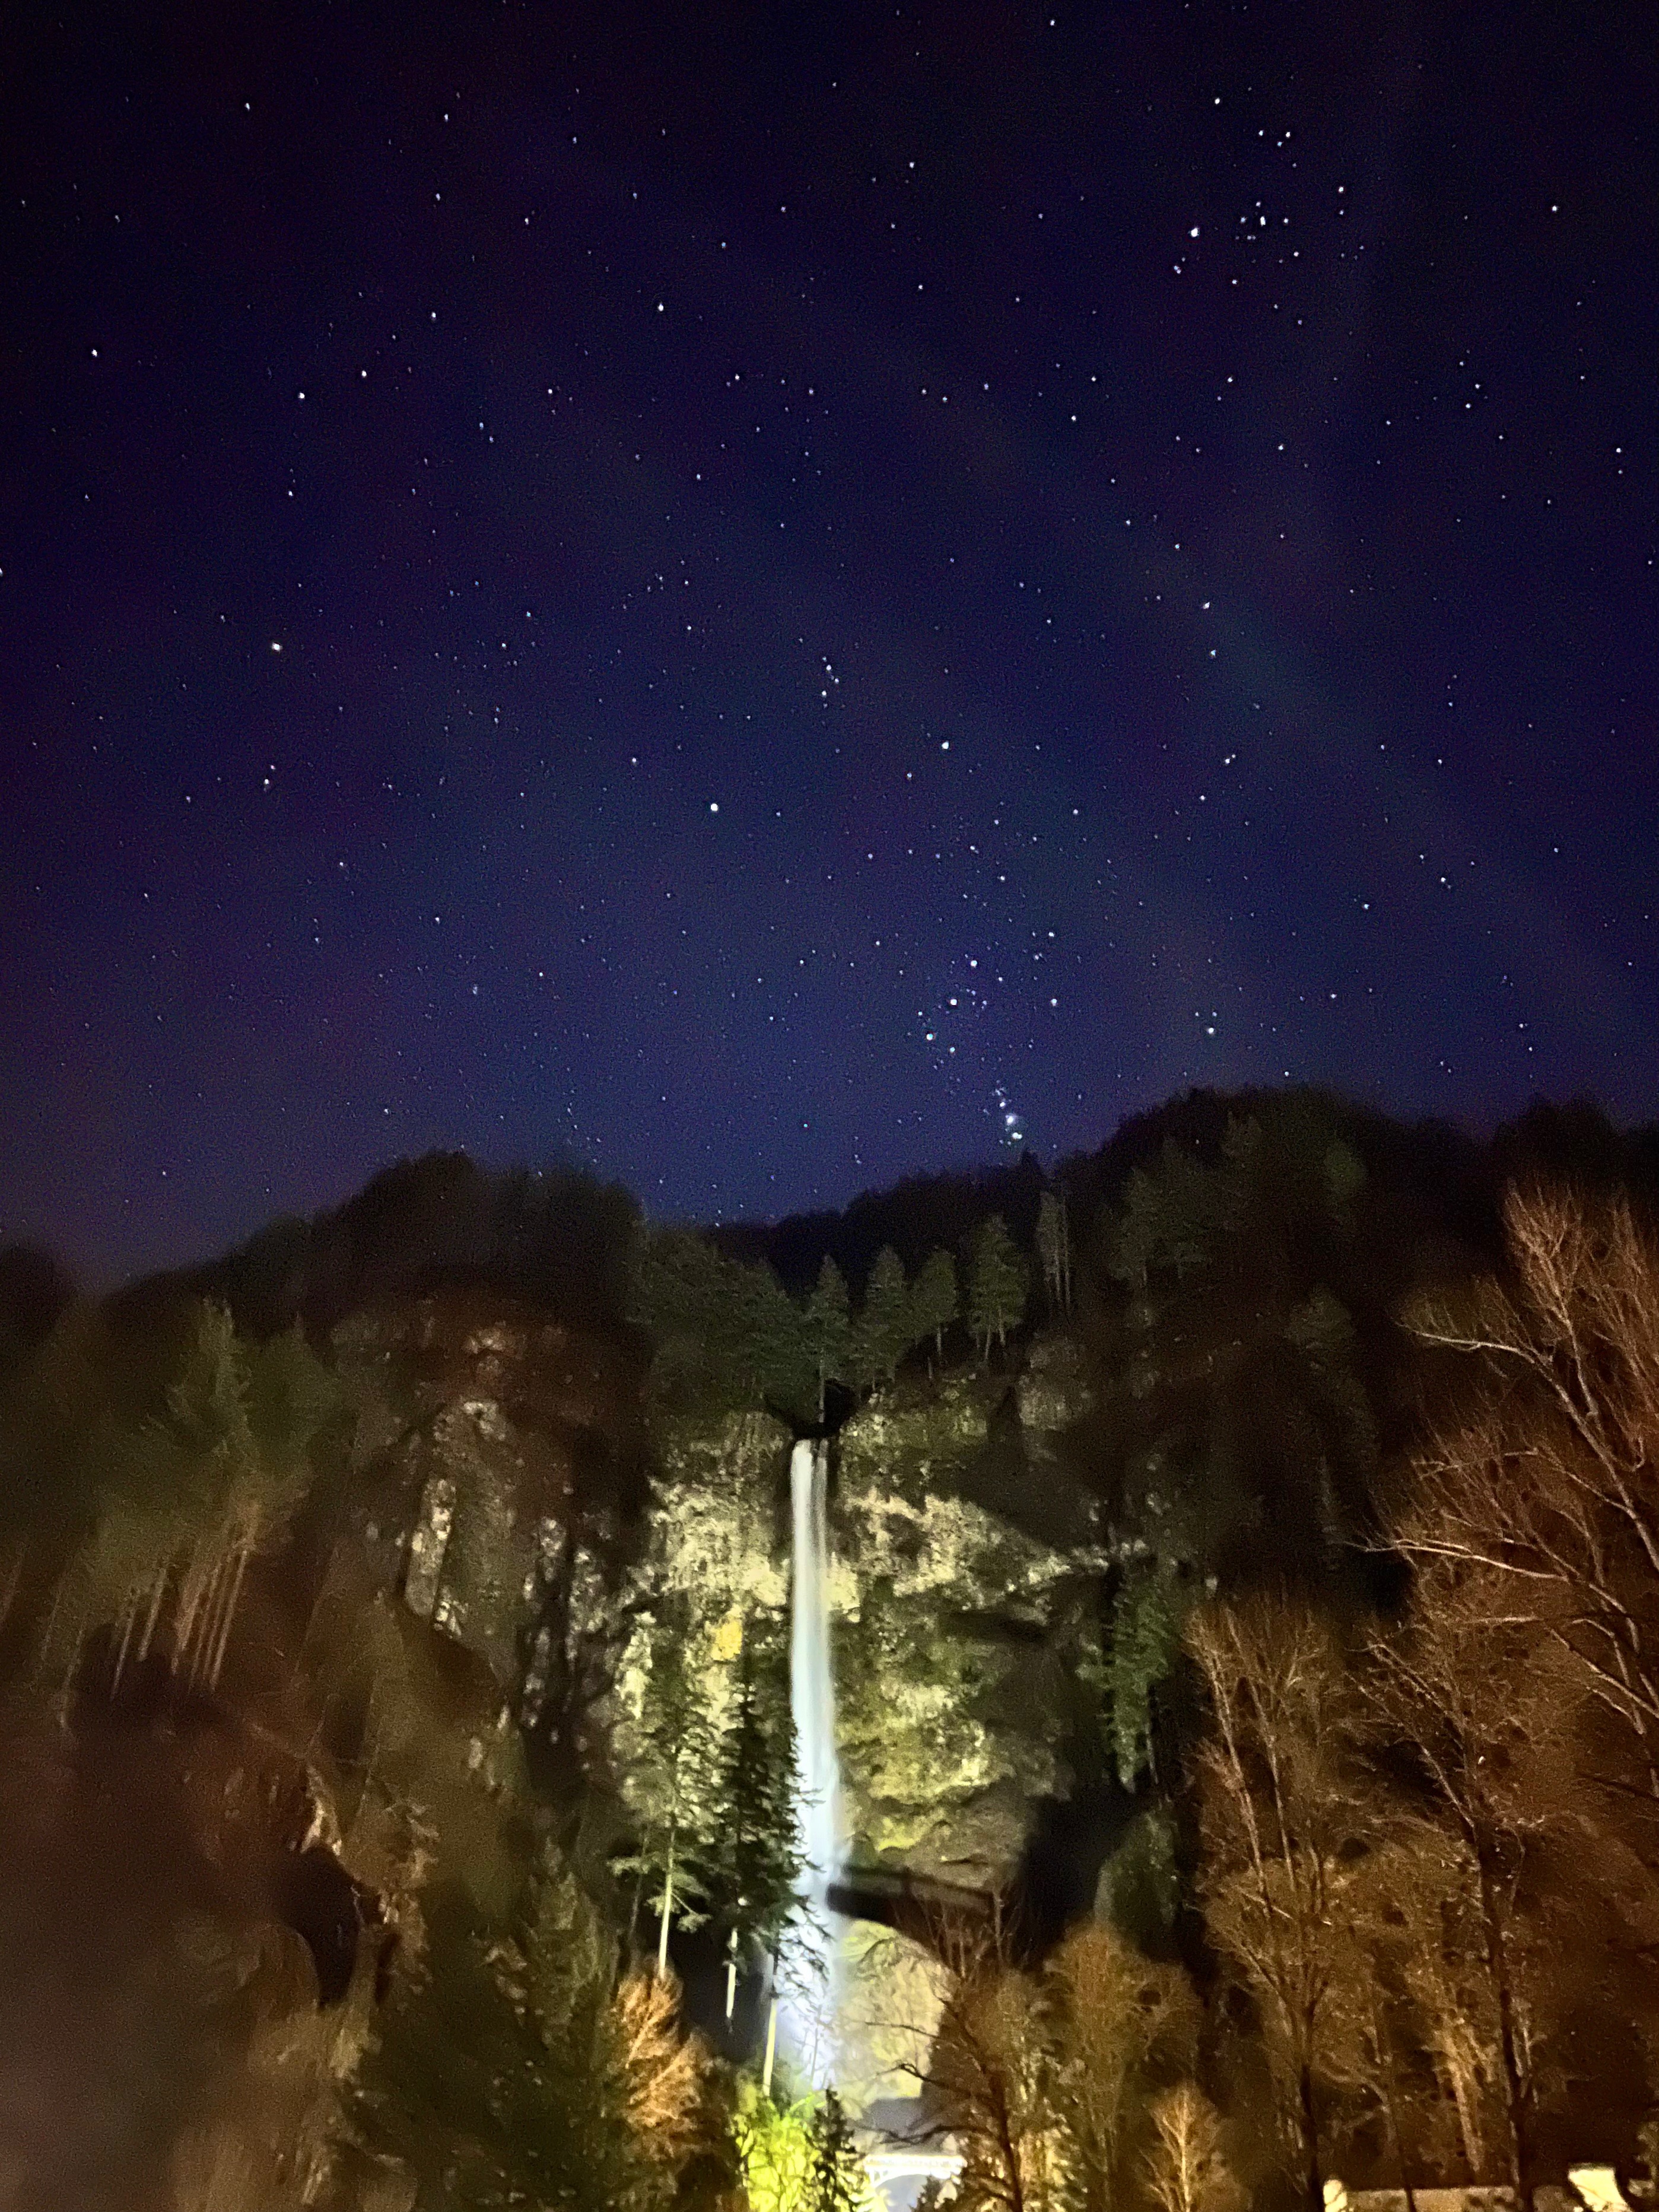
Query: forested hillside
1245,1617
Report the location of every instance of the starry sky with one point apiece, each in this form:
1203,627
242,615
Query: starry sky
769,597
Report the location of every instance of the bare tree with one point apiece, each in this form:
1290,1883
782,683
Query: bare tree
1532,1658
1114,2019
989,2077
1479,1700
1185,2170
1283,1815
1548,1484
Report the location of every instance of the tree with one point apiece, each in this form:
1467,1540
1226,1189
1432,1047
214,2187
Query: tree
724,1334
1113,2020
756,1856
189,1499
1545,1487
670,1778
1481,1702
1054,1243
1527,1679
837,2181
1185,2170
1418,1986
1284,1814
998,1285
989,2080
1147,1616
1245,1417
517,2070
829,1327
933,1299
886,1326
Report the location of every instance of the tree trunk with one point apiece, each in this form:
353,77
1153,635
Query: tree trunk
1308,2120
771,2037
223,1643
157,1593
12,1580
130,1621
1516,2094
1469,2115
1386,2074
667,1910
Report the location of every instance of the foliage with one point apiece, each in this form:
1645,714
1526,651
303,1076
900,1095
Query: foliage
999,1284
757,1853
1148,1613
800,2157
672,1783
886,1325
775,2149
519,2070
934,1297
190,1497
829,1327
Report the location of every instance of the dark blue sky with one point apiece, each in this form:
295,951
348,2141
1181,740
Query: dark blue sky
746,593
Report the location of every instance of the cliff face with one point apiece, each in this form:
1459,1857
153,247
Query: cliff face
952,1617
495,1487
955,1623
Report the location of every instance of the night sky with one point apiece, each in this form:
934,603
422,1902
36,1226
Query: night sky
770,598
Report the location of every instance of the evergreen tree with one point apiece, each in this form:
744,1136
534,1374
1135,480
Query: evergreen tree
188,1501
1054,1241
777,1356
515,2067
1148,1615
758,1856
672,1778
998,1285
838,2181
829,1327
886,1327
933,1299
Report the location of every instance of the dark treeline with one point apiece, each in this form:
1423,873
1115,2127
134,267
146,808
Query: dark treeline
324,1567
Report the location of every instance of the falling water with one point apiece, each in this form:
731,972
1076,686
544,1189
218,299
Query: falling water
808,1976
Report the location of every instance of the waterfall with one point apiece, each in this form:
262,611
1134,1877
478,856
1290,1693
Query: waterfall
808,1976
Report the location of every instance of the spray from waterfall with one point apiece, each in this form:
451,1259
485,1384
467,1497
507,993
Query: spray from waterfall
808,1970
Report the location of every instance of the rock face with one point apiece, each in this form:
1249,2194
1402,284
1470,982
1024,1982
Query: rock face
951,1619
496,1489
954,1621
497,1484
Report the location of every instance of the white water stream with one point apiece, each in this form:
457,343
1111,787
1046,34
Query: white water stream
809,1977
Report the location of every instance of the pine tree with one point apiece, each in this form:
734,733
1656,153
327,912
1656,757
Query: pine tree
672,1779
933,1299
998,1285
776,1354
1053,1240
1148,1615
189,1499
838,2181
829,1327
886,1327
758,1856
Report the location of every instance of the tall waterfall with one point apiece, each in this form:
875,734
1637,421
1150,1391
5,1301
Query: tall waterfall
809,1979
